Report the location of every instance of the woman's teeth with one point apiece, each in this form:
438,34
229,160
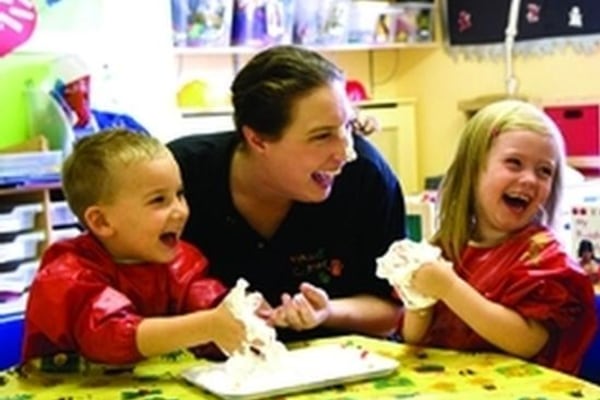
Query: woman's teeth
325,177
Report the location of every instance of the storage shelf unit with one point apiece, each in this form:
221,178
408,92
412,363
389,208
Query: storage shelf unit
233,50
31,217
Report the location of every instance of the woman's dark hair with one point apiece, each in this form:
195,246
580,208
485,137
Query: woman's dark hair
585,245
265,89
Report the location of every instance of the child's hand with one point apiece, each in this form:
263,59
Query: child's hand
305,310
365,126
434,279
229,332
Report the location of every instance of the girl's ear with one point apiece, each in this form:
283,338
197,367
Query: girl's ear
97,223
253,139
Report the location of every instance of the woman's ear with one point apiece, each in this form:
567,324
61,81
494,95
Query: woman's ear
97,223
253,139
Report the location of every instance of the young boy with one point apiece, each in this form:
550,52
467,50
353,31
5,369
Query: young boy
128,288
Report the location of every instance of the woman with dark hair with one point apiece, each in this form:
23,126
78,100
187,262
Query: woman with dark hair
293,201
588,260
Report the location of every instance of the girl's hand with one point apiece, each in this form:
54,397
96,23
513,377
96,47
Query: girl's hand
434,279
305,310
365,126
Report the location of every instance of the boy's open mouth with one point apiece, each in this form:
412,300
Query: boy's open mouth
169,239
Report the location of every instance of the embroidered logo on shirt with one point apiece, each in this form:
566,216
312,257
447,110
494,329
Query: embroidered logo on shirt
316,265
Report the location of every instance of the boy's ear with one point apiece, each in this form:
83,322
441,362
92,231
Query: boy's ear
96,222
253,139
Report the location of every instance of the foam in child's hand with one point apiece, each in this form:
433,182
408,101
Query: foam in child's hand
399,264
261,348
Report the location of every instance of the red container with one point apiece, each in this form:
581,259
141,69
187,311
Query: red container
580,127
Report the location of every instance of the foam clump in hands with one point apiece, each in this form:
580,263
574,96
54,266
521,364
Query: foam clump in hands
398,265
261,348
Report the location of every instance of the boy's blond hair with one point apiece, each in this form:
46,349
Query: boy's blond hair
88,172
458,188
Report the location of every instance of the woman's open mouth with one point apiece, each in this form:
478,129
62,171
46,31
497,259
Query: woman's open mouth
325,178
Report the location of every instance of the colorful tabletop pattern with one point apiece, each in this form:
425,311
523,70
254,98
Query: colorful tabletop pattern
423,374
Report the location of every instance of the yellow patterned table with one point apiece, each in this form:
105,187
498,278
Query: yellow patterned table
423,374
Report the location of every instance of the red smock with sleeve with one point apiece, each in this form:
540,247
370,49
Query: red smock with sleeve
82,301
531,274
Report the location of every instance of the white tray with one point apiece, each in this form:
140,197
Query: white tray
300,370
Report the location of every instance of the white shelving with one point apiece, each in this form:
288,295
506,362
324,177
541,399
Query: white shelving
233,50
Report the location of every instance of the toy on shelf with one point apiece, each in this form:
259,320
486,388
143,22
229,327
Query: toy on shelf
201,22
262,22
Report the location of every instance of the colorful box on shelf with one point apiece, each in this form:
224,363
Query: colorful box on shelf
321,22
365,22
409,22
262,23
201,23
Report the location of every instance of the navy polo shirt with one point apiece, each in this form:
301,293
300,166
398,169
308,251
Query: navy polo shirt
332,244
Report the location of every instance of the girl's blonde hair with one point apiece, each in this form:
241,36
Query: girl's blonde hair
88,173
458,188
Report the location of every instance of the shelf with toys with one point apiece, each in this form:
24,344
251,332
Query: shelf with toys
212,41
240,26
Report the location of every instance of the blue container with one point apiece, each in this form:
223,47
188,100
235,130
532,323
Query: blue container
590,365
11,332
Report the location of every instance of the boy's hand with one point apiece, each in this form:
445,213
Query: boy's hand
229,333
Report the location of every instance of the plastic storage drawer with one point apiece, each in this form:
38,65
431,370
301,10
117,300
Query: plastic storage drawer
580,128
23,247
19,218
22,217
62,215
19,280
65,233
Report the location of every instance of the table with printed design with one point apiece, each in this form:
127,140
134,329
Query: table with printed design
423,373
